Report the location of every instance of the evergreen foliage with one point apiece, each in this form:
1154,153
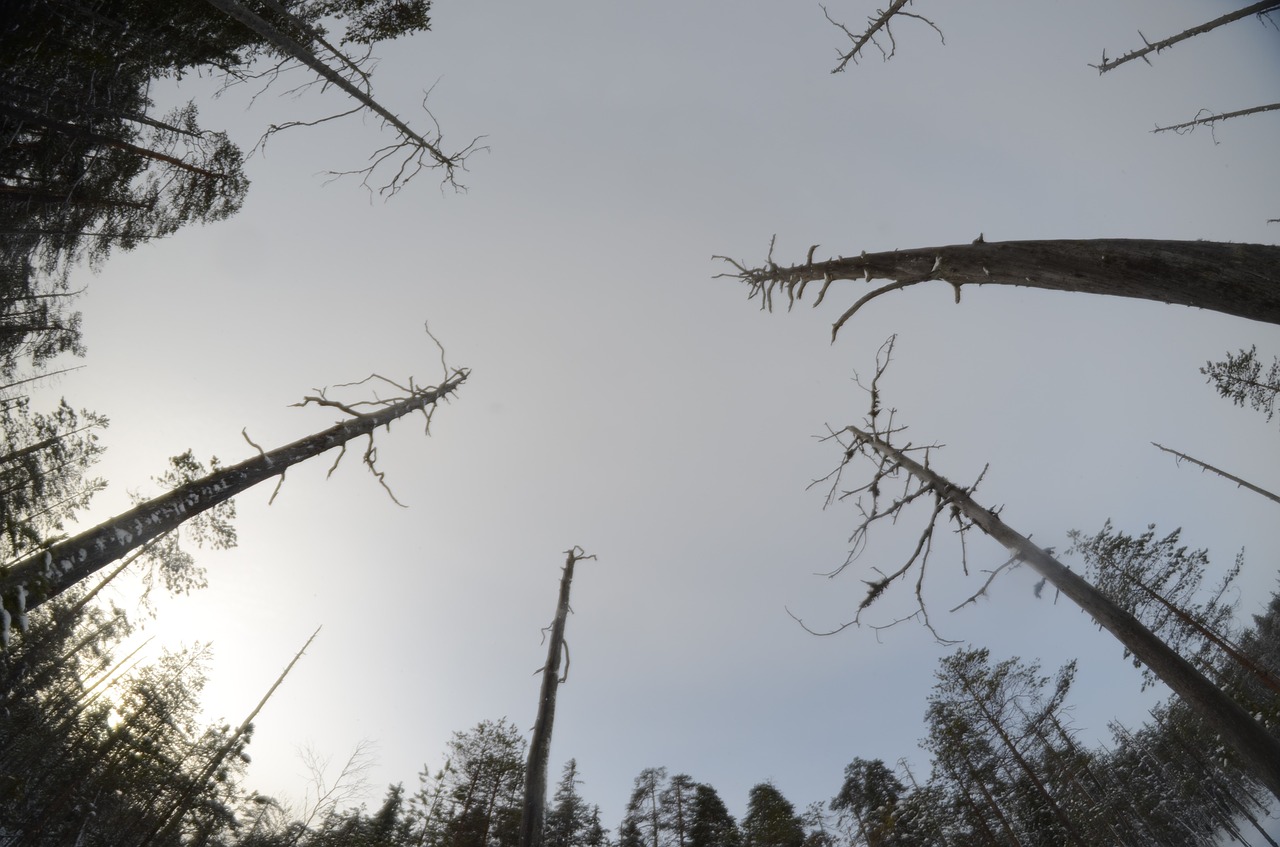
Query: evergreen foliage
771,819
1239,379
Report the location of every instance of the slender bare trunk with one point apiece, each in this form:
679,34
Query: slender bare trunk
32,581
1259,752
535,775
1237,480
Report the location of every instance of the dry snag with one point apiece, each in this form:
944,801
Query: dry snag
412,153
879,25
896,468
1236,279
1142,53
533,813
28,583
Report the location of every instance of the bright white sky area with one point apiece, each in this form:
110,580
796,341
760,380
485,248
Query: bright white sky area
623,399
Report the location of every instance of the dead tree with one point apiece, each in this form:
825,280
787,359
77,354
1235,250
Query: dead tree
1142,53
915,481
535,774
43,575
208,774
878,25
414,151
1240,483
1211,119
1236,279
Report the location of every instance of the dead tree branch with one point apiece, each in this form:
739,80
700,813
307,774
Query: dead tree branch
1211,119
1236,279
1258,9
877,25
47,573
414,151
1240,483
1258,750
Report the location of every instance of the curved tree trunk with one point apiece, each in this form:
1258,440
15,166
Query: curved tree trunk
1236,279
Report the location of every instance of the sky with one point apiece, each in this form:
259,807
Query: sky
624,399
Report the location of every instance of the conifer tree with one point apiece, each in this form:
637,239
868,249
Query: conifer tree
712,825
1239,378
771,819
642,823
569,821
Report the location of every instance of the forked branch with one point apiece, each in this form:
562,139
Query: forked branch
1257,749
875,505
878,26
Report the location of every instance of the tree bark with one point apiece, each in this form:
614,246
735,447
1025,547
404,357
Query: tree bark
32,581
535,775
1236,279
1259,752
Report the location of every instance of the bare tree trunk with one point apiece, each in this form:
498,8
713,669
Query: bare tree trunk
1258,750
201,782
1236,279
32,581
1214,118
1256,9
535,774
291,47
1237,480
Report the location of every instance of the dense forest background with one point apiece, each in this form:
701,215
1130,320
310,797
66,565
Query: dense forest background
101,746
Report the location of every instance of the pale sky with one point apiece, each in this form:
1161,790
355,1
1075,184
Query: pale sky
624,400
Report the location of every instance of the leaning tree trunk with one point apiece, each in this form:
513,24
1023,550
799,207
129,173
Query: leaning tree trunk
1240,483
181,805
535,774
1237,279
291,47
1257,749
46,574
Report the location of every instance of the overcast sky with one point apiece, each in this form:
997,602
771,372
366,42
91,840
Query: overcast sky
623,399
